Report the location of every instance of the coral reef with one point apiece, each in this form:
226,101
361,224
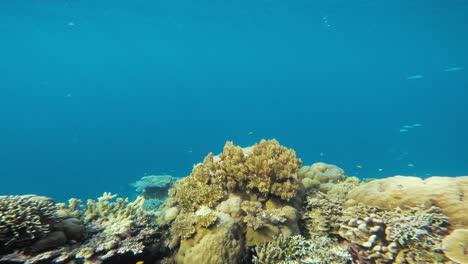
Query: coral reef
400,191
110,229
247,205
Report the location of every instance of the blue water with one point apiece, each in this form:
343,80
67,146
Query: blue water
96,94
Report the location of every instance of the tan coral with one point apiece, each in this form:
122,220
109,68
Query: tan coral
114,216
222,243
446,193
455,246
272,168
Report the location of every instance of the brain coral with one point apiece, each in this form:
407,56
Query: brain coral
446,193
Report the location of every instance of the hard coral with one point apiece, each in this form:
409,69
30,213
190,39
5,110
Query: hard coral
456,246
296,249
447,193
402,236
25,218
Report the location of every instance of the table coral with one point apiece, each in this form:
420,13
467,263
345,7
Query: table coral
154,186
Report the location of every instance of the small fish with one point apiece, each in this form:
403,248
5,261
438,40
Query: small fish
415,77
453,69
407,126
417,125
380,169
359,166
410,165
321,154
250,133
71,24
140,262
403,130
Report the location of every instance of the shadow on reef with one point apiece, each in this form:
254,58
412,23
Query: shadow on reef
247,205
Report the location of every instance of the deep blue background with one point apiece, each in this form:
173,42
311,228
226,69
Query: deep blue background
94,94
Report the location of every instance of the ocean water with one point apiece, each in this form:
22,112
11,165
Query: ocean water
96,94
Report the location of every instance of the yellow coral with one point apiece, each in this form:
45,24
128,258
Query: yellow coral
456,246
115,216
272,168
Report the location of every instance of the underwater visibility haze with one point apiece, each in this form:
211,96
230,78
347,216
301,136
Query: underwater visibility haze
96,94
